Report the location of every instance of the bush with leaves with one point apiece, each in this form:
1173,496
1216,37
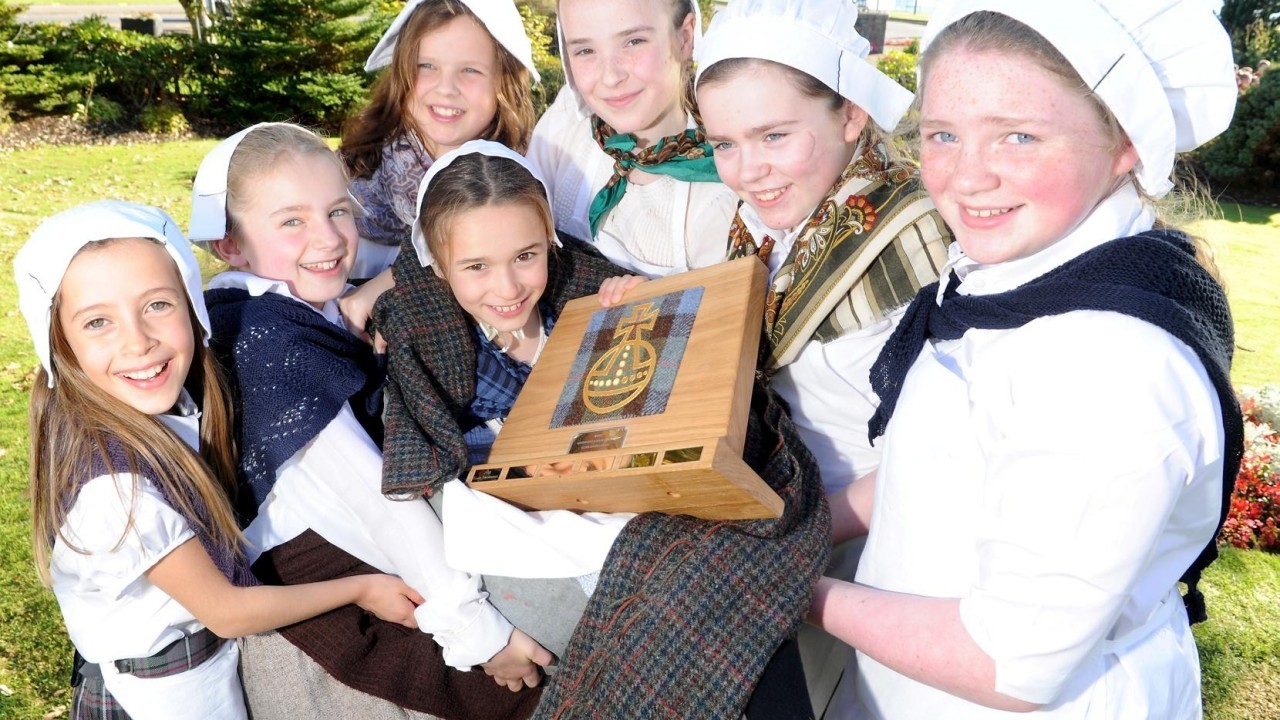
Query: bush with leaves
1248,153
47,68
1254,27
900,65
294,60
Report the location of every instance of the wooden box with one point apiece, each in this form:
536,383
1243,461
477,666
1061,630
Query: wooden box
643,406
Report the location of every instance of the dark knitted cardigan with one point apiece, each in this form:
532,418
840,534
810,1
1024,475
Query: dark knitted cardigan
291,373
1153,277
687,612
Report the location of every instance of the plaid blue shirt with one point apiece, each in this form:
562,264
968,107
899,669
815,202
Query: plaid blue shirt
498,381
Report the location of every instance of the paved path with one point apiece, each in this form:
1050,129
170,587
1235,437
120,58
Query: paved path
170,13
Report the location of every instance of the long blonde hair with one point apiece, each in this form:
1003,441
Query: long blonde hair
73,423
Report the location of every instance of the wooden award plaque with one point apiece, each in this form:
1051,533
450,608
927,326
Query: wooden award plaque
642,406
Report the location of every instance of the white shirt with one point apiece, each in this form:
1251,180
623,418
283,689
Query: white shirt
334,487
1057,478
112,611
659,228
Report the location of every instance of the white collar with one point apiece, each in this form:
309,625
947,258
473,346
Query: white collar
184,420
258,286
1122,214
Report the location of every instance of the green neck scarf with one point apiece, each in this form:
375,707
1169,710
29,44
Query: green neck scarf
685,157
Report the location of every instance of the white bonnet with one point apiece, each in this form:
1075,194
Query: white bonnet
1163,67
816,37
40,265
484,147
209,191
499,17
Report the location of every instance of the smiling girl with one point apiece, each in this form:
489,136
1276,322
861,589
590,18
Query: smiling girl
626,161
131,471
456,70
1076,357
310,432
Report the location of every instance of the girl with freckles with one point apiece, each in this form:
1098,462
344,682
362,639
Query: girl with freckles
1077,353
802,127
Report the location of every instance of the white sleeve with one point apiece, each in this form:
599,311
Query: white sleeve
334,485
481,532
117,554
1105,468
828,387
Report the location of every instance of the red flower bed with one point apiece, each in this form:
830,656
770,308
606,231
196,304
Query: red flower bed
1253,521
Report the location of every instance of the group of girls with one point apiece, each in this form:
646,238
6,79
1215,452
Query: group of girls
1048,394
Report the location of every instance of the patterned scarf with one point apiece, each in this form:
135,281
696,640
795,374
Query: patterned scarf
685,157
1153,277
865,251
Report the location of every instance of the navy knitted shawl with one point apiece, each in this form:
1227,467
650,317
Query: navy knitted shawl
291,371
1153,277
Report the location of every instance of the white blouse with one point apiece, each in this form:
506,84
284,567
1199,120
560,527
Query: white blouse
659,228
112,611
1057,478
334,487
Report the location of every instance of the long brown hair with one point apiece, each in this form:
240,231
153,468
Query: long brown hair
72,423
387,115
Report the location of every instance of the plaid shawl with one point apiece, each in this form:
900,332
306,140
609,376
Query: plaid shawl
865,251
431,364
1153,277
688,611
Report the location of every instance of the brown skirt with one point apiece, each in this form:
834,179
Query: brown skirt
386,660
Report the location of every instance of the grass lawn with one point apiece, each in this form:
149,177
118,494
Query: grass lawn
1239,645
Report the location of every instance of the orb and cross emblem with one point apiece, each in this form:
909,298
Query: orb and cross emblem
625,369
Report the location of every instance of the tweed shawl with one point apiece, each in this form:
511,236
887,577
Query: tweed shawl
431,364
688,611
866,250
1153,277
291,371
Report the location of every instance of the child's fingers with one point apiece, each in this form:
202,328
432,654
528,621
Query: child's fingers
379,343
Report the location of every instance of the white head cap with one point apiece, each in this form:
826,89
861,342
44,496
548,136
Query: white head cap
1163,67
816,37
564,59
209,191
43,260
499,17
483,147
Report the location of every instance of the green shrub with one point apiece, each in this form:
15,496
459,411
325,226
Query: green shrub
288,60
47,68
541,29
1248,153
101,111
163,119
901,66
